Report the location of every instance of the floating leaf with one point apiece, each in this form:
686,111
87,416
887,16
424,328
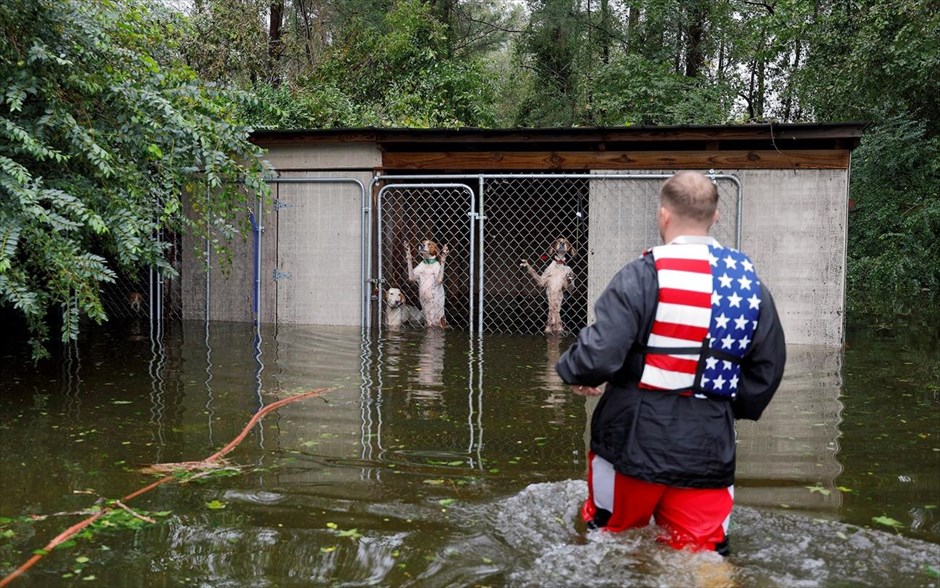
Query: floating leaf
888,521
446,501
354,533
437,482
215,505
329,549
819,488
332,525
845,489
122,402
82,560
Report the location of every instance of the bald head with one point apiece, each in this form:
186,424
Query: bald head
691,197
688,205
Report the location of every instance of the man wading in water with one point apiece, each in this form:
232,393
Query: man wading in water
687,340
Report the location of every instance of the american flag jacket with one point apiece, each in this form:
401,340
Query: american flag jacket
684,440
708,306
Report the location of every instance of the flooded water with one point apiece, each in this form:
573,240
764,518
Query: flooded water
435,460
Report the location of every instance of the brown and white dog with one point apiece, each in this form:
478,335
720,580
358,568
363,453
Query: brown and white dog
429,274
136,302
399,313
556,278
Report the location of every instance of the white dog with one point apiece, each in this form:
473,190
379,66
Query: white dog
556,278
429,273
398,313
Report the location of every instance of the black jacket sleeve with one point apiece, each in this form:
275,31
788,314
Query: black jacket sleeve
602,347
762,368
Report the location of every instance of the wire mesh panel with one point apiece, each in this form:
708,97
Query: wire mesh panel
166,285
147,292
127,297
525,218
526,214
441,213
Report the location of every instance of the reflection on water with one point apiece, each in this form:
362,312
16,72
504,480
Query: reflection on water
795,444
435,460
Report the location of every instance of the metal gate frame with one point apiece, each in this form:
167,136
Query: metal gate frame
453,180
380,279
365,230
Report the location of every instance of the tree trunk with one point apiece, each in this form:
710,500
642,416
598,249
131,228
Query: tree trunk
444,11
275,44
695,41
788,103
721,61
633,21
677,54
759,96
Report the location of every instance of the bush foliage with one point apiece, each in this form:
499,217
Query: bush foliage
103,129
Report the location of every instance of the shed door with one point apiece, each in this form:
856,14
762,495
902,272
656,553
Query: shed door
317,276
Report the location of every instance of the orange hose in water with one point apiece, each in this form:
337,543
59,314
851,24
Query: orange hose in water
74,529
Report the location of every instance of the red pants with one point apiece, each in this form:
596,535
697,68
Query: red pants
694,517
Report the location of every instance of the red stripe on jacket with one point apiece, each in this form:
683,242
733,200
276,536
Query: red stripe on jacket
699,266
678,331
673,364
686,297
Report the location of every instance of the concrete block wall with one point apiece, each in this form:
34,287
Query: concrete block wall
311,242
793,227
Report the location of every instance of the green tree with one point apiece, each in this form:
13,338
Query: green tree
877,60
397,73
894,227
103,128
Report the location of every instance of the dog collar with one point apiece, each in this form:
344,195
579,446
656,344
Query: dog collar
430,260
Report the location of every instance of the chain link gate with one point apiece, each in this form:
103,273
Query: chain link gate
520,216
443,213
525,215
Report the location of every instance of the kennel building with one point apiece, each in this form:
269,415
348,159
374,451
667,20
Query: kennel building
345,204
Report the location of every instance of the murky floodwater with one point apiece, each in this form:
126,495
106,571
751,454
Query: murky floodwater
434,461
